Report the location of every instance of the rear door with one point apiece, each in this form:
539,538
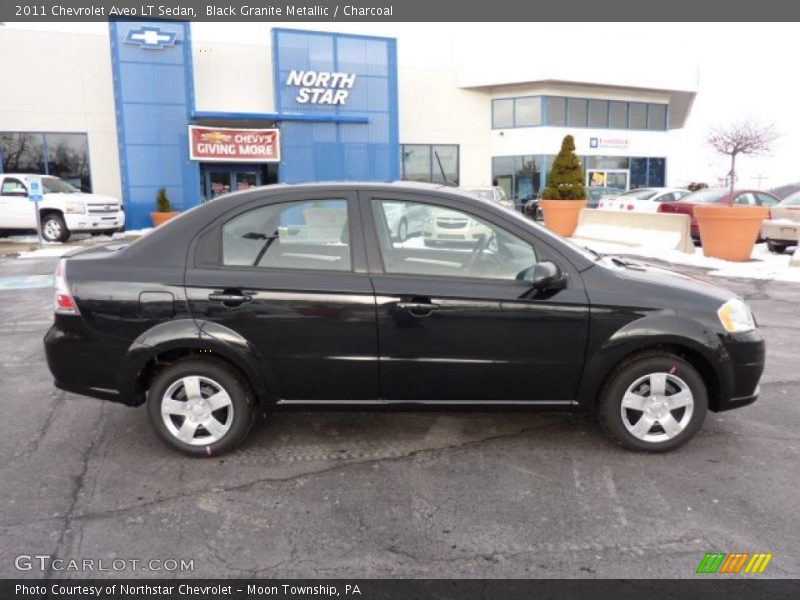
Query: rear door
456,325
289,275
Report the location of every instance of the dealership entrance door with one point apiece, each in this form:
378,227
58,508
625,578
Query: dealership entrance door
613,178
220,178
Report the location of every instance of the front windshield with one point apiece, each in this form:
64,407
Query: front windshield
640,194
54,185
705,197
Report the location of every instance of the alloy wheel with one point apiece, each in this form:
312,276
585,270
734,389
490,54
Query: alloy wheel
197,410
657,407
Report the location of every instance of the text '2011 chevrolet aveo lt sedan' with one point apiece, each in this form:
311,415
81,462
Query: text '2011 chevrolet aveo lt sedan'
304,296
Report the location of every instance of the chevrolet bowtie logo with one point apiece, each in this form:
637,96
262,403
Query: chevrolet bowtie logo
151,37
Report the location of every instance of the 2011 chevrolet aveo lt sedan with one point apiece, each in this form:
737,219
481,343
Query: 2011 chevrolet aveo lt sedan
288,296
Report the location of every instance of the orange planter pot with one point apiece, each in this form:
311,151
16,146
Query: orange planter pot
561,216
730,232
159,218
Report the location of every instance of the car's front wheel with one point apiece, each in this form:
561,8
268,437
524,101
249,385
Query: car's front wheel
654,402
54,229
201,407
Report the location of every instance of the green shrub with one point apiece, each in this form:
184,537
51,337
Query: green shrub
565,181
162,201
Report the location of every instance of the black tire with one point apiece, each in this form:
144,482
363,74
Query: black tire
228,379
54,229
633,370
775,247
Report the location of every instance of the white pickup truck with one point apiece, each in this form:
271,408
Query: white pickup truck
64,209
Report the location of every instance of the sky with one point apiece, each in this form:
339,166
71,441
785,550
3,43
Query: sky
739,71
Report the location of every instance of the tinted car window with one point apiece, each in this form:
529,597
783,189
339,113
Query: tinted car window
766,199
746,198
12,187
310,234
793,200
451,244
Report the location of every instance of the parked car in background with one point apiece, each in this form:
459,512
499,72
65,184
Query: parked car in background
686,205
494,194
596,193
782,230
64,209
643,199
448,228
405,219
225,313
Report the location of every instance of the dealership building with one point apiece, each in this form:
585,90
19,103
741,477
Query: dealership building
141,105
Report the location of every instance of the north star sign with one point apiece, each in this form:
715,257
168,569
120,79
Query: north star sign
321,87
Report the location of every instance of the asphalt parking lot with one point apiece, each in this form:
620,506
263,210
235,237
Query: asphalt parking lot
393,494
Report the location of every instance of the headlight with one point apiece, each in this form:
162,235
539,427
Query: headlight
735,316
73,206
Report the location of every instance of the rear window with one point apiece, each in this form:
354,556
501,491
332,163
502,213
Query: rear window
792,200
705,196
311,234
640,194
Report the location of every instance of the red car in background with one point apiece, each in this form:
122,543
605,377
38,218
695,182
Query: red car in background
717,196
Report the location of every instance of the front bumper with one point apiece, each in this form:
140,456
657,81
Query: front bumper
95,222
744,357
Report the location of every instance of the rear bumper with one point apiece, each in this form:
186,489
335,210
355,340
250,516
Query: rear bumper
745,354
72,352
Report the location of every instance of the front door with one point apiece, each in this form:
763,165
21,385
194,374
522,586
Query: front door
218,179
289,278
17,212
455,321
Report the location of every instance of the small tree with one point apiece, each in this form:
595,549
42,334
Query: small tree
565,181
696,185
162,201
744,137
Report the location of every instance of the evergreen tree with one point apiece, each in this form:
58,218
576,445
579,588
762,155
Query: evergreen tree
565,181
162,201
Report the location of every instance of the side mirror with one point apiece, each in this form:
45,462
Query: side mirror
544,276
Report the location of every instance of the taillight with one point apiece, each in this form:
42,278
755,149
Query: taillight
660,208
630,206
63,302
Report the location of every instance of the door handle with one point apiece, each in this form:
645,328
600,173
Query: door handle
418,309
230,298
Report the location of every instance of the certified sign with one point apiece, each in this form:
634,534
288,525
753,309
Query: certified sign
236,145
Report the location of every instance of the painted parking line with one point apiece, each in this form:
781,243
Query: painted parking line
25,282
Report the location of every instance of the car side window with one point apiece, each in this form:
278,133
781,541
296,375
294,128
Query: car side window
668,197
424,239
745,198
679,195
766,200
309,234
13,187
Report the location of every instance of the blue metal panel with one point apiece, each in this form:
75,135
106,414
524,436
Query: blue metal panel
355,141
216,115
154,97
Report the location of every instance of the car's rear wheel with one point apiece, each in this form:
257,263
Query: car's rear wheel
654,402
775,247
54,229
201,407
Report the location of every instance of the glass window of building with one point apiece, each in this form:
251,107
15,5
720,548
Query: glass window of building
598,114
638,172
656,172
527,112
519,176
444,160
424,162
22,152
64,155
503,113
657,117
576,112
637,113
618,115
556,111
68,158
607,162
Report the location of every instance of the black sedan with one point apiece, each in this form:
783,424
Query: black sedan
300,296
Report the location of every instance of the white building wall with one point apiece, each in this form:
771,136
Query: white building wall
40,94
